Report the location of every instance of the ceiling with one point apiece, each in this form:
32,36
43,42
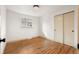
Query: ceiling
43,9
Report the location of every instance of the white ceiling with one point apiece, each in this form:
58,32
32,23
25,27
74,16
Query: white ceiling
43,9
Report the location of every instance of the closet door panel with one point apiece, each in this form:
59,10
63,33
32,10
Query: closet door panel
58,28
69,28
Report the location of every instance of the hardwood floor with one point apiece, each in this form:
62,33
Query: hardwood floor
38,45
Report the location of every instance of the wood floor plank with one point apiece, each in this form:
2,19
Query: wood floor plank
38,45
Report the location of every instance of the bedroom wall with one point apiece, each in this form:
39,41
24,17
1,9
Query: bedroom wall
14,30
48,26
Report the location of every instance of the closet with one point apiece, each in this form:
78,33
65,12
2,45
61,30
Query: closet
64,28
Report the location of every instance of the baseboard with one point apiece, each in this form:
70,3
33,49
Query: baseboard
22,39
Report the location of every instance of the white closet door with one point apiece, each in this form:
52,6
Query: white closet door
69,28
58,28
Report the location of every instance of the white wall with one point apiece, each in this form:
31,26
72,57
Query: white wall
2,27
48,23
48,26
14,30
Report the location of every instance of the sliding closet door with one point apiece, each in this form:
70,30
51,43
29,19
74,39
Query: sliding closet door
69,28
58,28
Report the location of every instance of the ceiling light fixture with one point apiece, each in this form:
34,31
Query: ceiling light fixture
36,6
